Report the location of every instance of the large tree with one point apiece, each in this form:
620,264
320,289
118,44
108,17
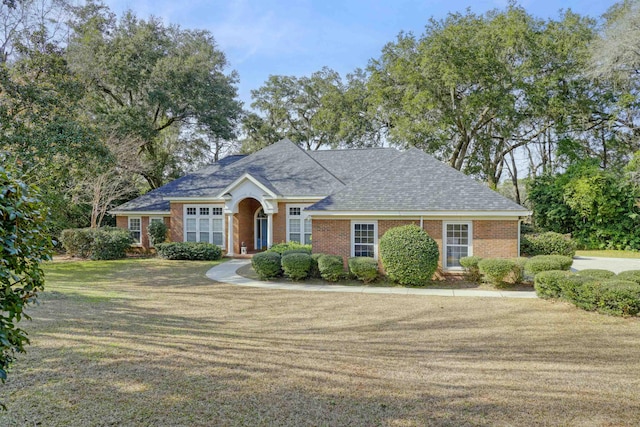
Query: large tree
152,83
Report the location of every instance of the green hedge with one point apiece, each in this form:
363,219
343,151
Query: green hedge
281,248
470,266
547,283
331,267
314,271
364,268
110,243
193,251
596,273
496,270
518,269
631,275
296,265
97,243
548,243
581,291
546,263
619,298
267,265
409,255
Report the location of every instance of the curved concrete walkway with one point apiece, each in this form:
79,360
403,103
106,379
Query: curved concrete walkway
226,273
616,265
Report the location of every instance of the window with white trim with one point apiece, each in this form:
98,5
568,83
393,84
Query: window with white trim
457,242
135,228
204,224
298,224
364,238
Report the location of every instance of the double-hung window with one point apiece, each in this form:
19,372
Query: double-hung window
457,238
364,238
204,224
298,224
135,228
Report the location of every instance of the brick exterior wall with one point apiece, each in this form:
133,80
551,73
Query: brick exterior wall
122,221
244,226
495,239
491,238
280,224
176,232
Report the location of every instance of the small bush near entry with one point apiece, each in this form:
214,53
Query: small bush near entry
193,251
296,265
331,267
157,232
409,255
110,243
632,275
619,298
470,266
584,292
364,268
495,270
295,251
548,243
547,283
267,265
518,275
281,248
546,263
596,273
77,242
314,272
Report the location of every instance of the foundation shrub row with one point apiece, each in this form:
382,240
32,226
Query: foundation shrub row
501,272
593,290
96,243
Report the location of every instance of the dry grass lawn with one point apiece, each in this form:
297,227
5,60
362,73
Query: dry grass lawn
154,343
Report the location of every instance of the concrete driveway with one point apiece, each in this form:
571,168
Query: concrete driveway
612,264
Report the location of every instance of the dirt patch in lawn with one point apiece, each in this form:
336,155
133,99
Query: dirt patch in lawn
152,342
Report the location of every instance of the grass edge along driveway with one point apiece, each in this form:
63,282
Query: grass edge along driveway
153,342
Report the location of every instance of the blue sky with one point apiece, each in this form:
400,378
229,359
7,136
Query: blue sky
264,37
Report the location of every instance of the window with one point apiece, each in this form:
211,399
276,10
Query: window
204,224
135,228
364,239
457,238
298,224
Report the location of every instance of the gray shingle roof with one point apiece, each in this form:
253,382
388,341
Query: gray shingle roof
376,179
415,181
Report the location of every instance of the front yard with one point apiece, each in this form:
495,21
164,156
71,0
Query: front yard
153,342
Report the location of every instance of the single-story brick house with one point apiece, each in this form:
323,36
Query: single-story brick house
341,201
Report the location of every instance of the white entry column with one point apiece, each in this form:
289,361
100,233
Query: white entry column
269,230
230,234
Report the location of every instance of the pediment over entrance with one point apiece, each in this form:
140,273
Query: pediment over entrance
249,187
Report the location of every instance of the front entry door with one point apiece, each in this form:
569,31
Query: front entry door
261,230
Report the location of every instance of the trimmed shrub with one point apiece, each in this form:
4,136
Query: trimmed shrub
518,275
77,242
193,251
547,283
596,273
409,255
631,275
331,267
296,251
548,243
296,265
619,298
582,291
157,232
546,263
314,272
267,265
495,270
281,248
364,268
110,243
470,266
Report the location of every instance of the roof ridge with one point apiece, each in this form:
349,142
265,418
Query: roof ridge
351,149
318,163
